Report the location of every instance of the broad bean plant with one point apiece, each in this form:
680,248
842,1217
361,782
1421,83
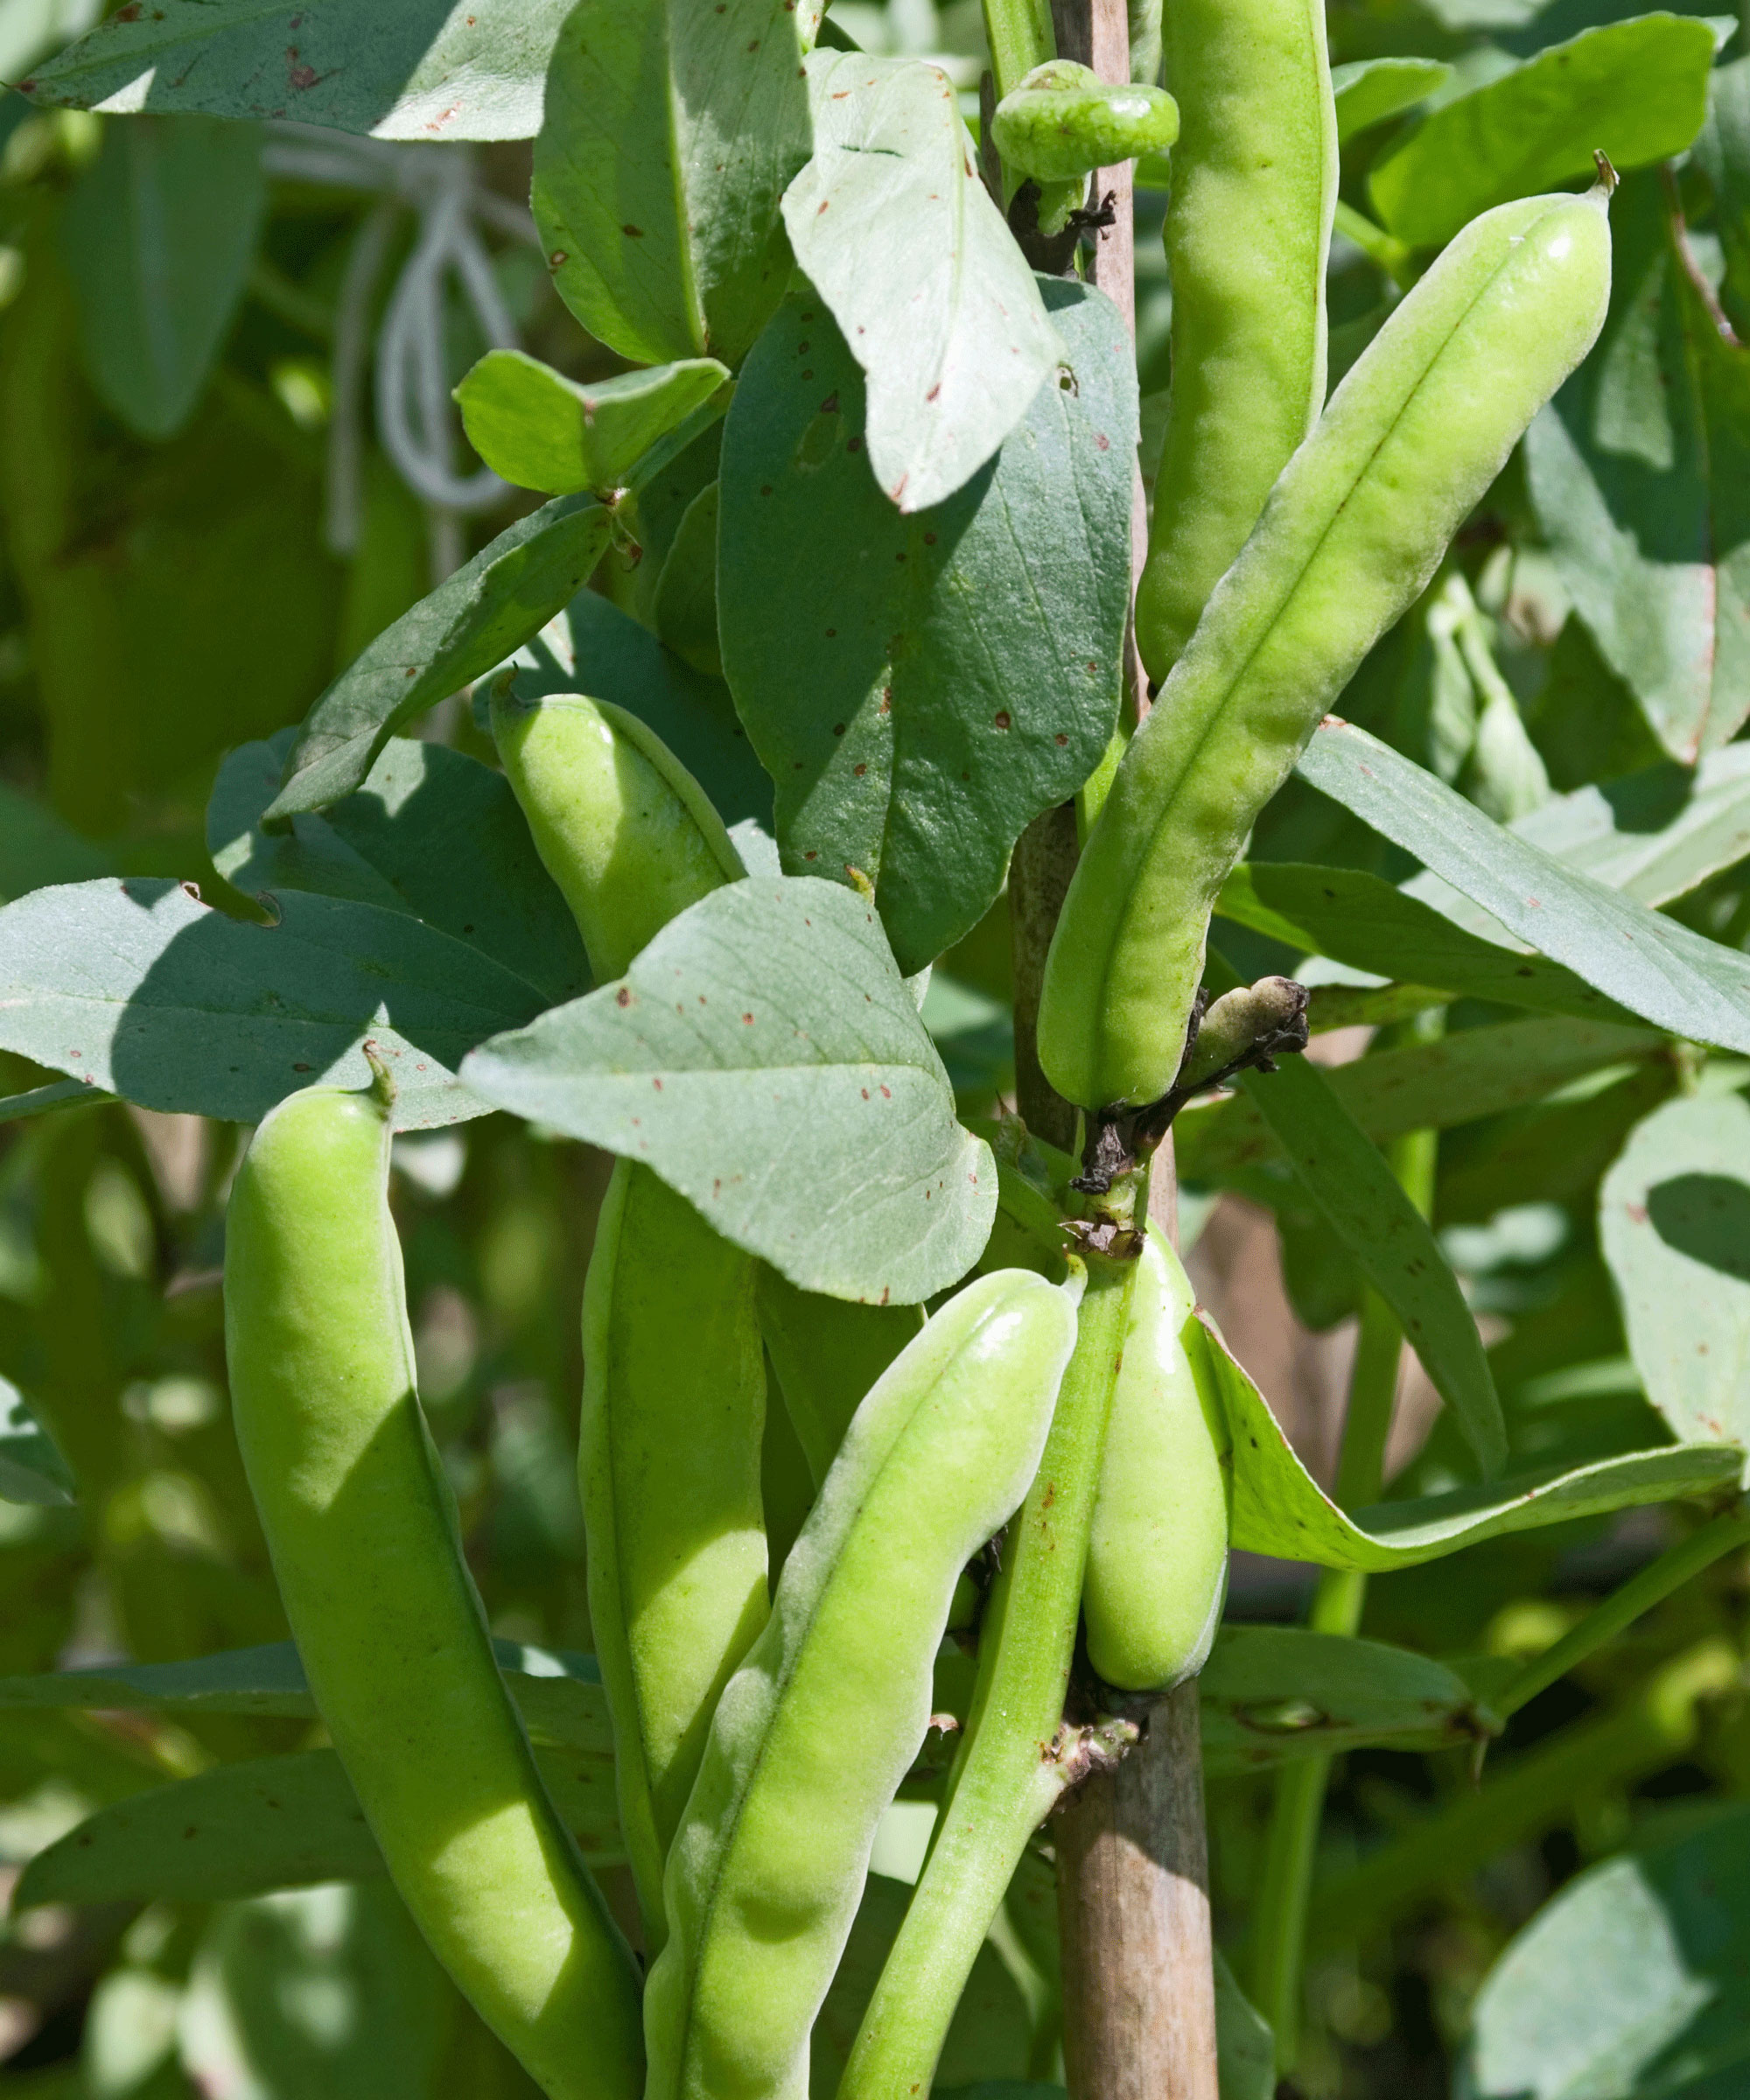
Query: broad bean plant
896,592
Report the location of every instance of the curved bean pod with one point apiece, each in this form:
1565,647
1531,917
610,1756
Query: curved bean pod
828,1353
625,831
361,1526
669,1459
1352,533
1254,190
1064,120
820,1723
1157,1551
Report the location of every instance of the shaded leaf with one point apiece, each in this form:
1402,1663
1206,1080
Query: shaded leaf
685,603
1245,2044
955,671
1723,149
1362,921
472,621
1272,1693
1653,966
1674,1222
1629,1983
158,235
1470,1072
31,1470
1350,1180
1371,89
419,69
1653,834
430,832
1635,90
539,429
764,1057
1637,471
140,989
893,227
1279,1508
672,128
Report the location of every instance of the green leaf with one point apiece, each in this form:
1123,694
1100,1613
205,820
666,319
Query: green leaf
1365,1205
1271,1693
685,601
158,235
1674,1222
1245,2045
1635,90
764,1057
38,848
1628,1985
140,989
991,2031
1470,1072
1653,966
472,621
1723,149
1372,89
432,833
327,1991
896,232
672,128
1279,1508
953,672
268,1823
31,1470
540,429
1654,834
1362,921
595,648
397,69
1637,471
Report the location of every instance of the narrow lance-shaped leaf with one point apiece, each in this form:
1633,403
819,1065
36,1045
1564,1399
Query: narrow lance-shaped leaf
472,621
1348,1177
31,1470
1638,471
763,1056
540,429
1651,965
921,687
672,127
891,225
1279,1508
139,989
1674,1222
398,69
1635,90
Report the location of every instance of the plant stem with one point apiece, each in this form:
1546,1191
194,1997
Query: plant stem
1654,1583
1280,1940
1008,1772
1378,246
1018,33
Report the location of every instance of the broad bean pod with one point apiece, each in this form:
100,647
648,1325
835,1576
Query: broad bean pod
1063,121
1352,533
621,826
816,1729
362,1529
1254,191
669,1467
1157,1550
827,1352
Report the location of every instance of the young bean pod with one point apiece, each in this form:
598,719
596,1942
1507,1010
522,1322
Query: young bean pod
1157,1551
827,1352
362,1529
1352,533
669,1462
628,835
818,1726
1064,120
1254,190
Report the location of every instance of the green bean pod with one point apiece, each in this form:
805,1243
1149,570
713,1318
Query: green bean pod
1157,1550
1352,533
1064,120
669,1459
827,1352
362,1529
621,826
1254,191
817,1728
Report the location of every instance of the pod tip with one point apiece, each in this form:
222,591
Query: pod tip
383,1080
1605,187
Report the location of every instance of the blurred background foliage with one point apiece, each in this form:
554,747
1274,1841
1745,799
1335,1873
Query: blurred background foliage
199,525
